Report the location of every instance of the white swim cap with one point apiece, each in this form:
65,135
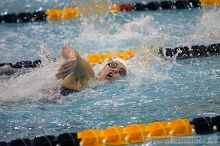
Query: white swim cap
122,61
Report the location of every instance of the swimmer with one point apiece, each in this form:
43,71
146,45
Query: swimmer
76,72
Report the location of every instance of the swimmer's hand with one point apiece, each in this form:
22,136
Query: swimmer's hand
66,68
71,60
69,53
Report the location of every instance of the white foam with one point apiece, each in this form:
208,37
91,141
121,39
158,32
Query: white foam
207,28
30,86
116,36
33,84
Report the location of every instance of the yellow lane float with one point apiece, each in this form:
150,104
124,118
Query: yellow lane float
210,3
114,9
100,58
54,14
64,14
70,13
136,133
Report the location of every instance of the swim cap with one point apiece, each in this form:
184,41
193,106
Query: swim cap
122,61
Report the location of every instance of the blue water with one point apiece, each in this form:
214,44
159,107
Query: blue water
164,90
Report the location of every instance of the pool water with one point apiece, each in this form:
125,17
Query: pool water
164,90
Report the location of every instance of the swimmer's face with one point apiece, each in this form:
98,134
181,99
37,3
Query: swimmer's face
112,71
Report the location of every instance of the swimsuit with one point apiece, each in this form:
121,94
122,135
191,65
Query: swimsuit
66,91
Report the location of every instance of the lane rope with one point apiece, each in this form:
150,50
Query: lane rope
74,13
131,134
181,52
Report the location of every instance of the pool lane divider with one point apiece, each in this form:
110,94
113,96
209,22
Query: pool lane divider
74,13
131,134
181,52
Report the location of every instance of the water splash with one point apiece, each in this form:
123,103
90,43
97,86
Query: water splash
32,84
207,27
92,10
104,35
117,36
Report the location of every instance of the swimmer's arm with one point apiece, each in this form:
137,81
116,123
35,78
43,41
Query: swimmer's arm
75,64
83,69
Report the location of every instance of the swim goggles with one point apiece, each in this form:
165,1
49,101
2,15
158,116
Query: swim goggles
121,71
